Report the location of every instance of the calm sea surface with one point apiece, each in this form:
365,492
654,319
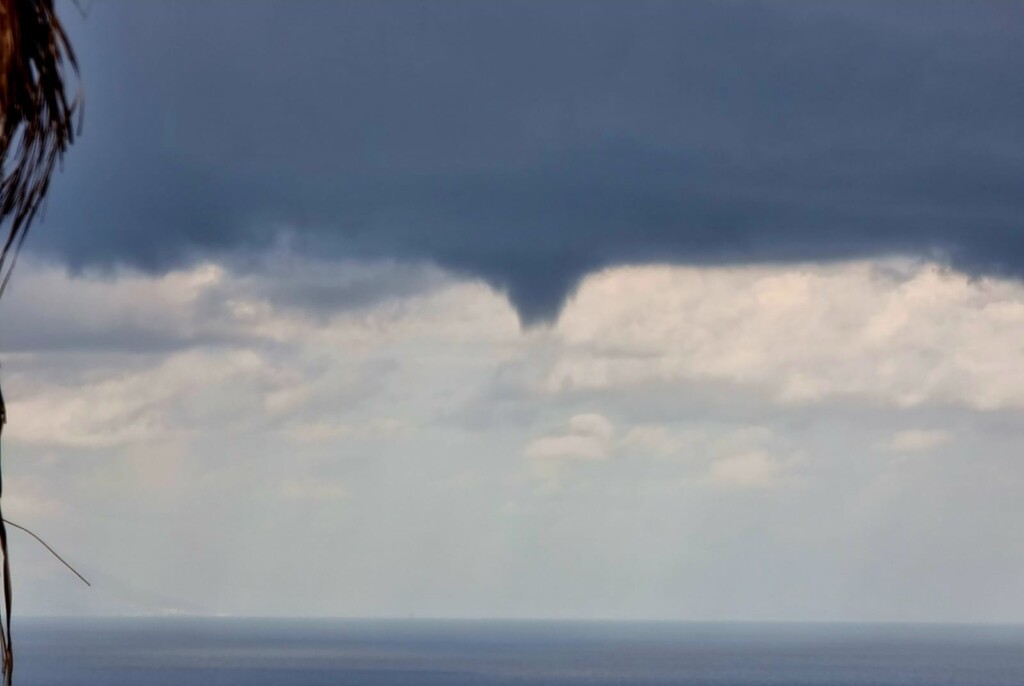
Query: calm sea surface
197,652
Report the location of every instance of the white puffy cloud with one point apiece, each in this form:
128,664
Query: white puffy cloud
652,439
588,437
899,334
746,470
917,440
176,397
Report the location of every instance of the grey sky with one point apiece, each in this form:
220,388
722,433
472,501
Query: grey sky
265,354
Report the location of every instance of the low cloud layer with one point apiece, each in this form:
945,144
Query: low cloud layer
773,442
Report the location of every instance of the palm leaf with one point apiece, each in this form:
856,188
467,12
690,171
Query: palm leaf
36,114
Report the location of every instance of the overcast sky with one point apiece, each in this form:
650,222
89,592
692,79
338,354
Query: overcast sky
576,309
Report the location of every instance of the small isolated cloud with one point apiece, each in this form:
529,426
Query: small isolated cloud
651,440
317,432
917,440
588,437
747,470
324,431
312,489
591,425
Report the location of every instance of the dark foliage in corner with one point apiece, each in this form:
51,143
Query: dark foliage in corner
36,128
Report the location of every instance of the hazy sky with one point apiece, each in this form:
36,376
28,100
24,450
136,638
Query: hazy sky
576,309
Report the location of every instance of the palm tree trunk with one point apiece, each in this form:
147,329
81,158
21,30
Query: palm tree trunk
6,647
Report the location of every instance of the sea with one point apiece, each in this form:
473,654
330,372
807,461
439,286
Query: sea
255,652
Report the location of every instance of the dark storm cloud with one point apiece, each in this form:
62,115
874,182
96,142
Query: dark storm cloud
530,142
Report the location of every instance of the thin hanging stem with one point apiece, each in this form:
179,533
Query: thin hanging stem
52,551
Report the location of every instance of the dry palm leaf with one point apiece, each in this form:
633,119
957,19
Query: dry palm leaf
36,114
36,128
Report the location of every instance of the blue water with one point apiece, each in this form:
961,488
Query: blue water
200,652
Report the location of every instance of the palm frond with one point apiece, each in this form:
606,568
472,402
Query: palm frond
36,114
